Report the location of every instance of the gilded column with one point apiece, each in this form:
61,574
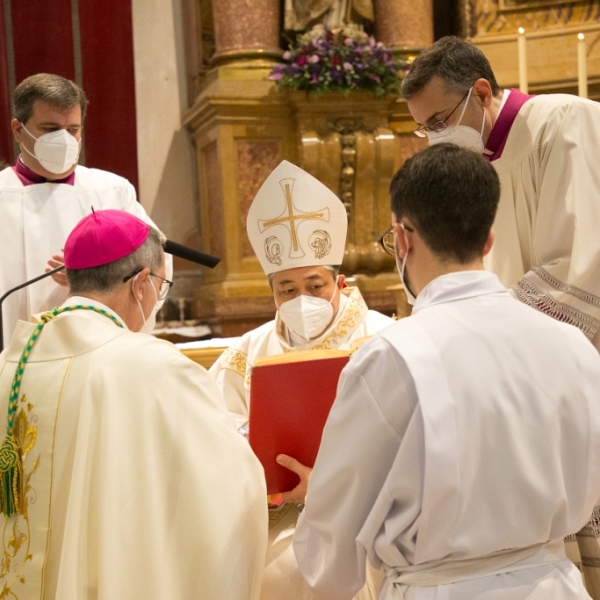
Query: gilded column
404,24
244,31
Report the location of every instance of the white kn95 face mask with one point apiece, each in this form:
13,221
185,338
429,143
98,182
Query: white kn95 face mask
57,151
307,316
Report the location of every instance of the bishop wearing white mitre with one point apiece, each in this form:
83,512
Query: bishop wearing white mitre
297,227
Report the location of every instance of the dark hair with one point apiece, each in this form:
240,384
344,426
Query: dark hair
334,269
458,63
450,194
51,89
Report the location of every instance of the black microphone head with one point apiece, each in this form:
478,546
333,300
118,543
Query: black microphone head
195,256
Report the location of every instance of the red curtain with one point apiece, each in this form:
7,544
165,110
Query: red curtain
87,39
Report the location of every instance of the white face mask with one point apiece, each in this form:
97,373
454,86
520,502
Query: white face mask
150,322
401,266
461,135
56,151
307,316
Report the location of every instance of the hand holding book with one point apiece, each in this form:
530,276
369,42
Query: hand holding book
298,494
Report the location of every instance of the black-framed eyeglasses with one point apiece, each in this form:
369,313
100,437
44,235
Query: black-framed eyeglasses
165,284
422,130
387,239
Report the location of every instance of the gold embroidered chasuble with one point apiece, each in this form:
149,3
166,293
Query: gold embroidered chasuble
234,367
117,504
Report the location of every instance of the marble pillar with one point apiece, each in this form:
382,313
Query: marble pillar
244,32
404,24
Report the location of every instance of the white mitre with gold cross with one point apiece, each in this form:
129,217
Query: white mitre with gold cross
296,221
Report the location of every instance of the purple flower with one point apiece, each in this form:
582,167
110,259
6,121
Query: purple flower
275,75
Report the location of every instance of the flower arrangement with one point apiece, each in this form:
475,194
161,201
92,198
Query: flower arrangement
332,60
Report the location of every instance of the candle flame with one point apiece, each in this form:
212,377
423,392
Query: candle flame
522,31
581,36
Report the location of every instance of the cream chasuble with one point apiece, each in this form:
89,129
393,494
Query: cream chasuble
457,454
282,579
547,246
137,484
35,221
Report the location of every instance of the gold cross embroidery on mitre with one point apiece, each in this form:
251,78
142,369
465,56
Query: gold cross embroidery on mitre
291,216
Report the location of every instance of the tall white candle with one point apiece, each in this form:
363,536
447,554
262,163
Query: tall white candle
582,66
522,61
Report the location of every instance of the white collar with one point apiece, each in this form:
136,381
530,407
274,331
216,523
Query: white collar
458,286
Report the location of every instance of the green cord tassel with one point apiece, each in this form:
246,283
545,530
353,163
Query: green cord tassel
11,459
11,469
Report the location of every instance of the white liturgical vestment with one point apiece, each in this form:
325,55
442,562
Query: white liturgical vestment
462,447
547,244
353,321
137,484
233,369
35,221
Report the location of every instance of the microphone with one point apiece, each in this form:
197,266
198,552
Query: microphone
16,289
195,256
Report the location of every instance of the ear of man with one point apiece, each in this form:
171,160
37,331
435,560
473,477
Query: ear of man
139,283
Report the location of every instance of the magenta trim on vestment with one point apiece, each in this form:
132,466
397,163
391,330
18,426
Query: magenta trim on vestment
29,177
504,122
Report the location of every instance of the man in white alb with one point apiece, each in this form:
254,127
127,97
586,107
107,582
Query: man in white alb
544,149
297,227
464,441
46,193
122,475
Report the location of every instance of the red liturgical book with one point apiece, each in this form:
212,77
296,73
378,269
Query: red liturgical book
290,398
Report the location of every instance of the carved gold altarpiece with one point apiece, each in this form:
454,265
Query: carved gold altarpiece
551,27
243,127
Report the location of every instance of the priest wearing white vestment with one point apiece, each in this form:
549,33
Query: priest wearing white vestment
544,150
464,441
46,193
122,475
297,228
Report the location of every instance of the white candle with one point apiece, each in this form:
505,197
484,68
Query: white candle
582,66
522,61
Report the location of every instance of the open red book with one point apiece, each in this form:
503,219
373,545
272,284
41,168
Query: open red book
290,398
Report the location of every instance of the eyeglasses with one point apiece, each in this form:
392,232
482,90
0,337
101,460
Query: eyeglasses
387,239
422,130
165,285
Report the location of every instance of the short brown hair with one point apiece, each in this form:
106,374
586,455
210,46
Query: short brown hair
451,195
458,63
54,90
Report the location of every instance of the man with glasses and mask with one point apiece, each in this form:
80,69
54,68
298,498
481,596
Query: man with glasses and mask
544,149
122,474
46,193
297,228
464,441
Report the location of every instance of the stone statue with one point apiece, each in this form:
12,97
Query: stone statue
301,15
